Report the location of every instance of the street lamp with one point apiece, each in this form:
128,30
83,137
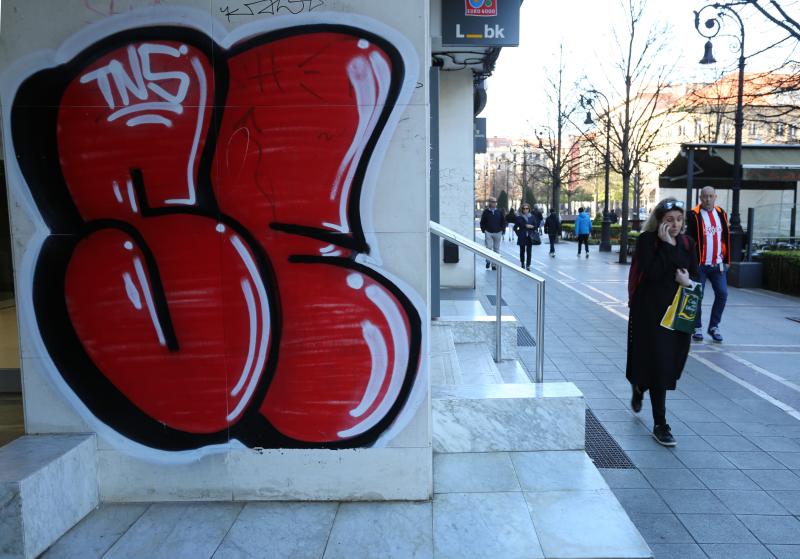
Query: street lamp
712,27
586,102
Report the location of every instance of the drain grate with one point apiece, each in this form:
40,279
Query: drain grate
602,448
524,337
794,318
493,300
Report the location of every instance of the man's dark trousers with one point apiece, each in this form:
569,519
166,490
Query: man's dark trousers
719,284
552,237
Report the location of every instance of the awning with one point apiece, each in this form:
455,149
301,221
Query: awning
764,166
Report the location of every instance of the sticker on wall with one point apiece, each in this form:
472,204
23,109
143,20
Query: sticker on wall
201,277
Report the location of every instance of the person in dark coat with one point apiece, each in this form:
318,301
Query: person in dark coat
552,226
665,258
525,227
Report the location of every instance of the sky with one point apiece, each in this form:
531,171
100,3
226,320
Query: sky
516,101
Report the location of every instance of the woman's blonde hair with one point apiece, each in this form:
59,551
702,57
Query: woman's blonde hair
658,213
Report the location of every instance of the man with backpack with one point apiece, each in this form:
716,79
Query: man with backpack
708,226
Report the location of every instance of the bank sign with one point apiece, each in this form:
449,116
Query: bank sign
488,23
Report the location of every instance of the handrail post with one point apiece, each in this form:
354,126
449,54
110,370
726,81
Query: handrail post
499,314
539,332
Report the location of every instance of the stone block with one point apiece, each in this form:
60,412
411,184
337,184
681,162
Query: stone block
508,417
47,485
483,329
745,274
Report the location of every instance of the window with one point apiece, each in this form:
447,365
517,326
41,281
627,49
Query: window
753,128
780,129
792,132
698,128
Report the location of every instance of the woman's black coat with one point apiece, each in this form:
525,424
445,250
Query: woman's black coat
656,355
525,235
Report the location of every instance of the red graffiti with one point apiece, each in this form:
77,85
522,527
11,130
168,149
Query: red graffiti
214,206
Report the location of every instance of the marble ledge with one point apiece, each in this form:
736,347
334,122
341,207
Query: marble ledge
524,390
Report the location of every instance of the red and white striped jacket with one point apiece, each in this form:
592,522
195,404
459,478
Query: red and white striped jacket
712,236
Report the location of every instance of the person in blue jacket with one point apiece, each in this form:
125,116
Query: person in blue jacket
583,226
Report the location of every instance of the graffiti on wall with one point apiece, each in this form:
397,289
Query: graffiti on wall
203,277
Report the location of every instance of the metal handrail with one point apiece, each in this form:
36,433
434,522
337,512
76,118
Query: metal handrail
443,232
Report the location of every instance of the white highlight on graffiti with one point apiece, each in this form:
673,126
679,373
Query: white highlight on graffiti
128,245
335,253
201,107
400,341
356,281
262,307
363,44
327,249
132,197
133,293
369,78
141,81
117,193
380,364
251,348
220,228
148,299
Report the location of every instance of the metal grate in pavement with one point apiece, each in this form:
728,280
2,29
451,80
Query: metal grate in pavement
794,318
602,448
524,337
493,300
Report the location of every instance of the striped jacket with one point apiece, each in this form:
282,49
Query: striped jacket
695,230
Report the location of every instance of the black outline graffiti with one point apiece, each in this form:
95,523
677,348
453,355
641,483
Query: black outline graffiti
34,115
272,7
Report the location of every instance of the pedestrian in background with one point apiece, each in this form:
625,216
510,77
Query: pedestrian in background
664,259
493,223
708,226
511,220
583,227
525,228
552,226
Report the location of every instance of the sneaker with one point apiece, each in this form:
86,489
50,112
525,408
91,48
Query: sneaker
528,268
587,255
698,335
663,435
636,399
579,255
715,334
552,255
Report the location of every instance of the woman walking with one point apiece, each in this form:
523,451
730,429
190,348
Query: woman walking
665,258
525,227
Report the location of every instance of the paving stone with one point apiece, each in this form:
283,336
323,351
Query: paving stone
712,428
661,528
777,480
789,499
665,478
729,443
749,502
725,479
788,459
484,472
641,500
702,459
776,444
96,533
677,551
692,501
739,551
716,528
773,529
618,478
659,458
752,460
785,551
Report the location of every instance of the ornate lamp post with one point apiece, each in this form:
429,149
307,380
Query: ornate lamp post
710,29
586,102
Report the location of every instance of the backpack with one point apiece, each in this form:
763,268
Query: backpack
635,274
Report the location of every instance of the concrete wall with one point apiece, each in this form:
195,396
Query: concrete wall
238,310
457,170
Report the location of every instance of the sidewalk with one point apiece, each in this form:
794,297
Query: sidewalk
731,488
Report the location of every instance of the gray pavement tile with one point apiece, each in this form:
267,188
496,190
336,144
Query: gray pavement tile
773,529
473,472
556,471
275,530
776,444
785,551
692,501
96,533
753,428
729,442
775,480
692,442
382,530
701,458
606,404
724,479
658,458
624,478
789,499
749,502
694,416
661,528
788,459
641,500
752,460
716,528
636,442
711,429
666,478
677,551
177,530
613,415
738,550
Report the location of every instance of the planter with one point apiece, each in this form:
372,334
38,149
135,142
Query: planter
781,271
